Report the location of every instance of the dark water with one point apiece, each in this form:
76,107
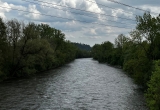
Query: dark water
81,85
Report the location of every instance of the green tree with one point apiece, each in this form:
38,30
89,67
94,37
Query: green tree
153,91
136,62
97,52
102,52
120,47
107,48
148,28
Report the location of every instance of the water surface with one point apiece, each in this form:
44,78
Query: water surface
80,85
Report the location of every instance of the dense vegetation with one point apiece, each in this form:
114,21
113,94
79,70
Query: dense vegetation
26,49
138,54
83,46
83,50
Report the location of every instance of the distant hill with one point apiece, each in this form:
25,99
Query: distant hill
82,46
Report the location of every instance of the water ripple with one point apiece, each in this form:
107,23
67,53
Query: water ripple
81,85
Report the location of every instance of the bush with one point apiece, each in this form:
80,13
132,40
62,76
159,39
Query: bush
153,92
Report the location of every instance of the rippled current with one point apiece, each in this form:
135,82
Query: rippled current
83,84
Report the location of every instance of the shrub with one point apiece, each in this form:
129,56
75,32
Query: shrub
153,92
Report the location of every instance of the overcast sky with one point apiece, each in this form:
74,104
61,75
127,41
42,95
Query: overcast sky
86,21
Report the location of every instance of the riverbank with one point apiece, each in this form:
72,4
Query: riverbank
35,48
138,58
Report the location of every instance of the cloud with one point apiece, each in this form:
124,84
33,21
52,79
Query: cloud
120,12
80,25
6,8
3,10
35,13
104,30
70,26
153,9
71,3
90,32
73,9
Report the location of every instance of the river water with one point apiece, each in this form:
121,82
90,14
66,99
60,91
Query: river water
83,84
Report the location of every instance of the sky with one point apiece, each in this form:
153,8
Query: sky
83,21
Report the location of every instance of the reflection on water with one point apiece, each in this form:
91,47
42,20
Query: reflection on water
81,85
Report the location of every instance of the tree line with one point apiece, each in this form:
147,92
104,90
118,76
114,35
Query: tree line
84,50
83,46
138,54
26,49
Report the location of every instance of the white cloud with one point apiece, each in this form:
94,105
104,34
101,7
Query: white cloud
35,13
121,12
75,31
90,6
6,8
153,9
70,3
3,9
93,7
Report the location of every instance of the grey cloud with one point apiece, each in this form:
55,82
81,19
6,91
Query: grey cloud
80,31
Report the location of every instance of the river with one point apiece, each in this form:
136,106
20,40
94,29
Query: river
83,84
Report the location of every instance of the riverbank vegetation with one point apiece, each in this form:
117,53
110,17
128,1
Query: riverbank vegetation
83,51
138,54
26,49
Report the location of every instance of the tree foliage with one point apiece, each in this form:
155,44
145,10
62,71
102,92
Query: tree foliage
83,46
153,92
136,54
26,49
